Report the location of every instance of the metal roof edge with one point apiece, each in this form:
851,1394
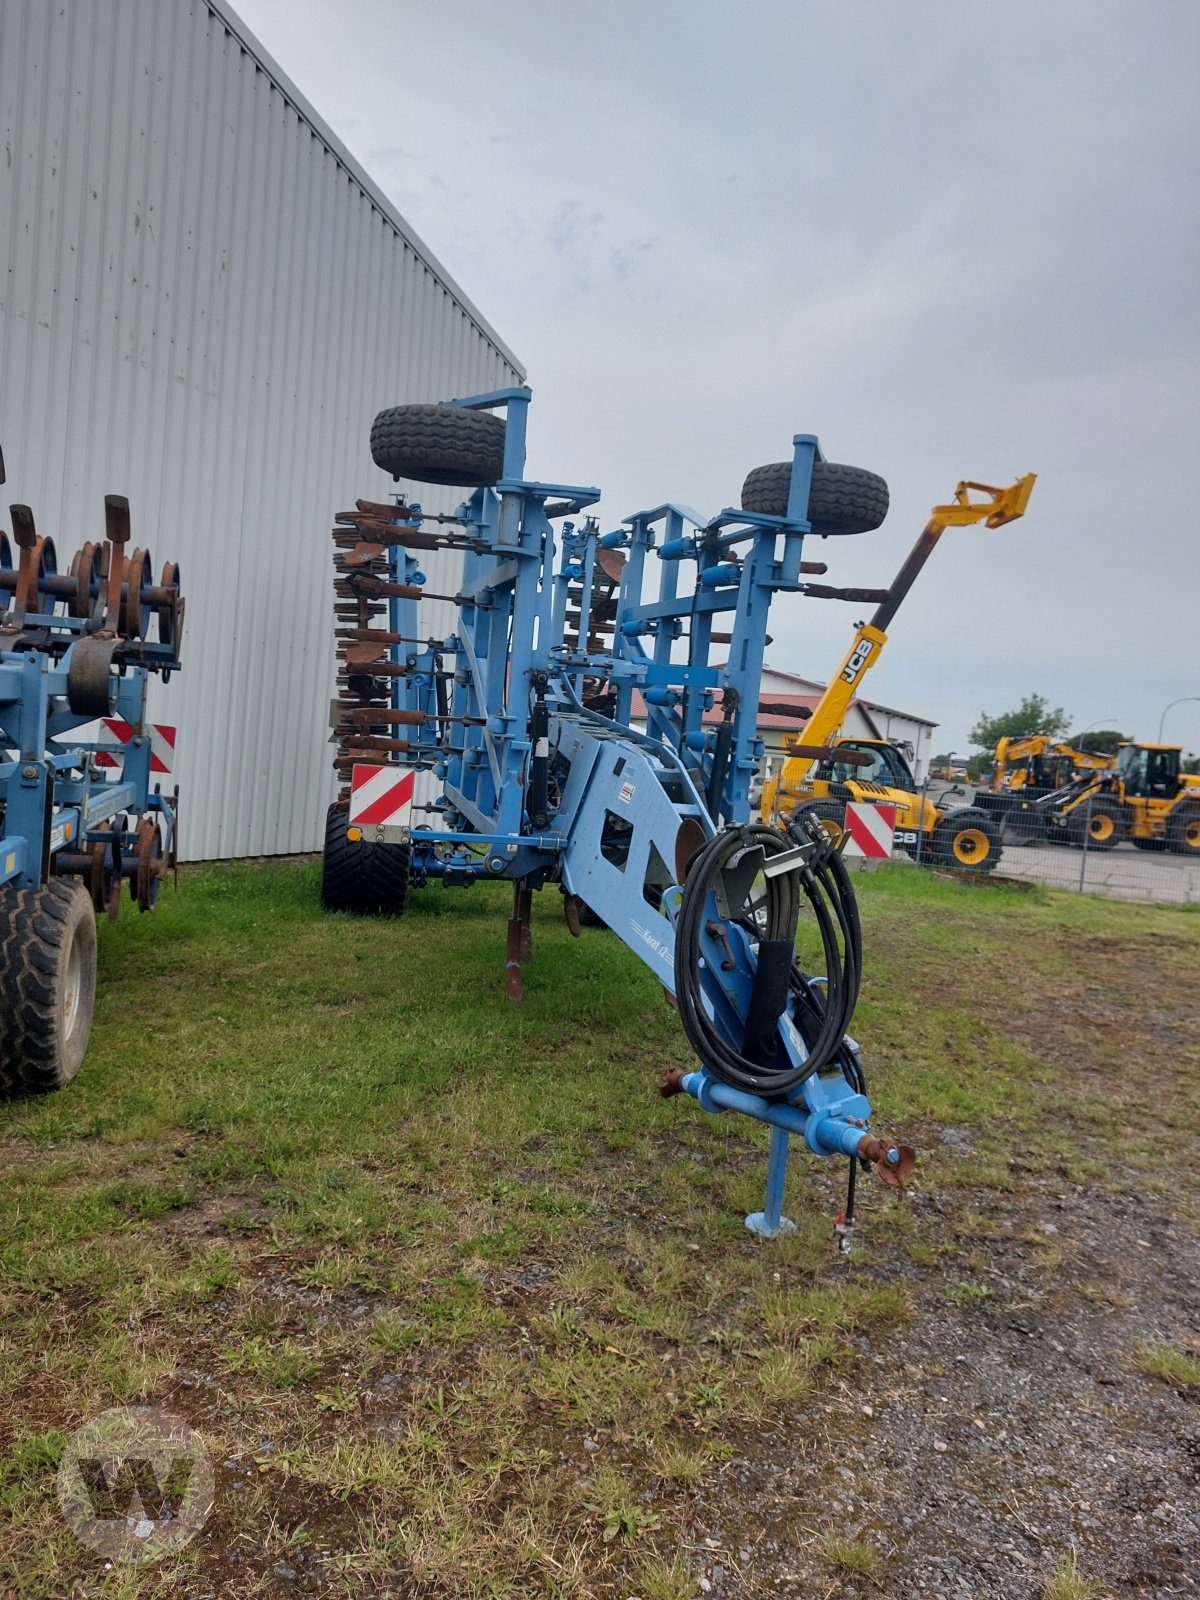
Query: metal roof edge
229,19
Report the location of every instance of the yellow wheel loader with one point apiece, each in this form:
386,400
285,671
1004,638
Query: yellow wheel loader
1145,799
822,772
1027,769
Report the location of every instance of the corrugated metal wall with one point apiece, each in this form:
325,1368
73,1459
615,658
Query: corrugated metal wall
203,304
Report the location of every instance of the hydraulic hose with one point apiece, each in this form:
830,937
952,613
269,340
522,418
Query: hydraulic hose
821,1015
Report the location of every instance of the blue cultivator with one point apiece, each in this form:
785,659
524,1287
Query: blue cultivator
590,728
79,817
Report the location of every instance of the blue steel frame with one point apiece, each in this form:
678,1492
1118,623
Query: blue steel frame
52,796
624,799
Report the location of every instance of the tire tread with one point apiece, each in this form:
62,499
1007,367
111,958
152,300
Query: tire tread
368,880
36,926
439,444
842,500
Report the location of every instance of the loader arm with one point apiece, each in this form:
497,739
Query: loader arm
1000,506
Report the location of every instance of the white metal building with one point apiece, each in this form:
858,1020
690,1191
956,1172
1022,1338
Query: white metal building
865,719
204,300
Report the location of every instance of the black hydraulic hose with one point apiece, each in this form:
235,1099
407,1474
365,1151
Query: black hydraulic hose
822,1019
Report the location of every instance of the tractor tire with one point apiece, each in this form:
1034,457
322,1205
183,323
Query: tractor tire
1103,830
1183,832
368,880
439,444
841,500
967,840
828,813
1157,845
47,984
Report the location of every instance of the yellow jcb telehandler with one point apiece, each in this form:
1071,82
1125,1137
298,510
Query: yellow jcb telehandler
820,776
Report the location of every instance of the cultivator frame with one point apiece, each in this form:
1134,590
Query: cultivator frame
78,816
525,715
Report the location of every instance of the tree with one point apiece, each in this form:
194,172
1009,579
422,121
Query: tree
1099,741
1033,715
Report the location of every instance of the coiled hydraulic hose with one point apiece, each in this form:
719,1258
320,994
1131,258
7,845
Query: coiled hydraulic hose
821,1015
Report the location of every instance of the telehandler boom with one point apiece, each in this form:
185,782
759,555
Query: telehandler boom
966,837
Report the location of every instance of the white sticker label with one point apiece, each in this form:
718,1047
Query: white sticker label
626,794
542,748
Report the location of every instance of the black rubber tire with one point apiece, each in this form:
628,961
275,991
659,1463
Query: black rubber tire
588,918
841,500
1100,809
369,880
47,984
439,444
1157,845
966,820
1182,824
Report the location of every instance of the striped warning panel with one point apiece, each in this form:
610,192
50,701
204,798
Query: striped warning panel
869,830
381,796
162,744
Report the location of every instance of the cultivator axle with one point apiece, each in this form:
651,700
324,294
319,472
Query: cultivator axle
577,731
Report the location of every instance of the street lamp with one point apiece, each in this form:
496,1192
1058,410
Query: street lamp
1167,707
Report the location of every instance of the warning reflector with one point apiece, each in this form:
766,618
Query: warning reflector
869,830
381,797
162,744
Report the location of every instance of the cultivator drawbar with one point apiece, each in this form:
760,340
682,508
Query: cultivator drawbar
79,818
586,727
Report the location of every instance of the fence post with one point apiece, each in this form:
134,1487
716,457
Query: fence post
921,817
1087,839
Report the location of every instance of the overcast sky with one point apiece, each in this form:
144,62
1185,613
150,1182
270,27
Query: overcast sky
954,238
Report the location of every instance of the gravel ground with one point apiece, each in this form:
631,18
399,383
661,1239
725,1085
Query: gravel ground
1005,1429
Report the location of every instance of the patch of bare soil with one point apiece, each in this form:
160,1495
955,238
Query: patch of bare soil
1005,1429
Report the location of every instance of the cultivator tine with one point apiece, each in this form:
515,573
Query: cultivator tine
519,943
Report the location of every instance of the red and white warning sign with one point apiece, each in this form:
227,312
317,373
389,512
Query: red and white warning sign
162,744
869,830
381,797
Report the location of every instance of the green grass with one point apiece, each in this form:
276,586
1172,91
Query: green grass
1173,1366
468,1306
1068,1583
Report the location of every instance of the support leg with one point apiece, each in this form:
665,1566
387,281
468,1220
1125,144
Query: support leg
769,1223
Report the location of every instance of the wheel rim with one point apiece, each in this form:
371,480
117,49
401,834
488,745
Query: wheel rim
1191,834
971,846
1102,827
72,987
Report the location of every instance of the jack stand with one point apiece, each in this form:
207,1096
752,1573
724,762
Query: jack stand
769,1223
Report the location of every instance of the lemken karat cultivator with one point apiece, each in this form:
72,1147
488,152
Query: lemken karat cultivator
591,729
78,820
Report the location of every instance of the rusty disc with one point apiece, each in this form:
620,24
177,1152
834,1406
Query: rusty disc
167,611
104,879
151,865
37,564
139,575
85,569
